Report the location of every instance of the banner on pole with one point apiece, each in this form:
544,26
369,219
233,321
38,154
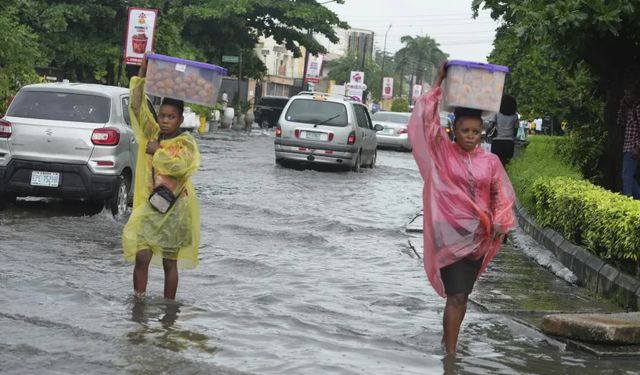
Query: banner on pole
314,68
387,88
140,34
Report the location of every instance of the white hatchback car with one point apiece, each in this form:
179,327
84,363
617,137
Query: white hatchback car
319,128
69,140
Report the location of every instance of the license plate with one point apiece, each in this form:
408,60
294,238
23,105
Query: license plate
49,179
316,136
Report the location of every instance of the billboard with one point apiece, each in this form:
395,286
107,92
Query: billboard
314,68
140,32
387,88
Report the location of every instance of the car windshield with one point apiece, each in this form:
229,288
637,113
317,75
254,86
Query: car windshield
60,106
390,117
274,102
316,111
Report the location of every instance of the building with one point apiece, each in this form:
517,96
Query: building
283,70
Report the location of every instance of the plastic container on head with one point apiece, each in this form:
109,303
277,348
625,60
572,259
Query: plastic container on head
473,85
190,81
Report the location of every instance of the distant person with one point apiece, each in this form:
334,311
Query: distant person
468,204
375,107
506,127
164,227
629,118
538,125
225,100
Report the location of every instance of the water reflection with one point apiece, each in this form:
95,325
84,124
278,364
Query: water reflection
451,365
157,319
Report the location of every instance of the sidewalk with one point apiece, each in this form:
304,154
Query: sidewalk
517,286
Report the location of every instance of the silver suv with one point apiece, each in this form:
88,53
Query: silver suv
320,128
71,141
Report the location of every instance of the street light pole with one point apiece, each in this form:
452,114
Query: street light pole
384,57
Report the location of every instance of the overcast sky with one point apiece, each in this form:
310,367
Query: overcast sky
449,22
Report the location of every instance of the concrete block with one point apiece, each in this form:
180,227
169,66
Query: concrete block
547,233
566,253
592,268
578,264
625,290
557,240
606,280
621,328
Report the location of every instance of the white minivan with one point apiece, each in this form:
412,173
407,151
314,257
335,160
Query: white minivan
319,128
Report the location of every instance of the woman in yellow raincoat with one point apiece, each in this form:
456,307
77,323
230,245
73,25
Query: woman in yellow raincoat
166,157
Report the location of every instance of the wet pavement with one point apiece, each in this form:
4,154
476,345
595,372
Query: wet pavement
302,272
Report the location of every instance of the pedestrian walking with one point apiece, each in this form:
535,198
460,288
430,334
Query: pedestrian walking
506,127
629,118
467,200
538,125
164,227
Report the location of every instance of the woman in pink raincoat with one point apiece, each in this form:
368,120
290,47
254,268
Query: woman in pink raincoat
467,199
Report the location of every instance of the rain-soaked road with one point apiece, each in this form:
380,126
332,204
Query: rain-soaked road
302,272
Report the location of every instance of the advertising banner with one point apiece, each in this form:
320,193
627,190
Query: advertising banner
356,77
387,88
417,91
140,32
314,68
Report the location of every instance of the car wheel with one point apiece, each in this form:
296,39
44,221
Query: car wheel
356,165
118,204
278,161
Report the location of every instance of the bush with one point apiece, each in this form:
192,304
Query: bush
582,148
538,159
607,223
400,105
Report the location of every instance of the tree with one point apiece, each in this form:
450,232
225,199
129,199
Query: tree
19,51
84,38
604,35
340,71
424,54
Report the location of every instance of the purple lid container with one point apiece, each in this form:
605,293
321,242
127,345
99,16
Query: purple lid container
476,65
196,64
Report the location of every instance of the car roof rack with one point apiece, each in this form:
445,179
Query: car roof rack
319,93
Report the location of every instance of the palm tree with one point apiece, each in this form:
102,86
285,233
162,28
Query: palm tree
425,54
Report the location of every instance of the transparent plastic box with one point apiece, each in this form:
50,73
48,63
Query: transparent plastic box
473,85
190,81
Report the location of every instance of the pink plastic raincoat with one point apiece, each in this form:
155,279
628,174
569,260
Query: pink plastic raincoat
465,194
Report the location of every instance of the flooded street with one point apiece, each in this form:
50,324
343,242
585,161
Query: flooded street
301,272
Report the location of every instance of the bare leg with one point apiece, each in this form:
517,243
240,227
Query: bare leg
454,312
141,272
170,278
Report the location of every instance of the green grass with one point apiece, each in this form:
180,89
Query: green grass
538,159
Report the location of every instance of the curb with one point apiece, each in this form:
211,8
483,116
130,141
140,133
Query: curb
592,272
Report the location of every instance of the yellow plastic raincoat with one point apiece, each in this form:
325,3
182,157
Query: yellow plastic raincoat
175,234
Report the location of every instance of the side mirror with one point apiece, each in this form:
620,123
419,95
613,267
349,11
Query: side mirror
378,127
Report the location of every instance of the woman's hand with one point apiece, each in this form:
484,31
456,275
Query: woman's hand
152,147
142,72
498,231
442,73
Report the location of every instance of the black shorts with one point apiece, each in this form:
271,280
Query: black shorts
459,277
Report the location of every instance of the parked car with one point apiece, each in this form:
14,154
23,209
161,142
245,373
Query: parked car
324,129
447,123
268,109
69,140
394,129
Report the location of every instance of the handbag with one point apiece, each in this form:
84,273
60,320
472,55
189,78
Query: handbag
162,199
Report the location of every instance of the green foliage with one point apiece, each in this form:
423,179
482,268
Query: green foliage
538,160
400,105
582,148
423,55
607,223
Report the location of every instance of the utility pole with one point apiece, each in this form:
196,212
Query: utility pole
384,57
306,63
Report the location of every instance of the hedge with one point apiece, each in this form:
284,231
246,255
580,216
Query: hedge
558,197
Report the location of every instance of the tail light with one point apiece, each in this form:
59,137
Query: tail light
330,137
278,132
401,131
352,138
5,129
105,137
297,133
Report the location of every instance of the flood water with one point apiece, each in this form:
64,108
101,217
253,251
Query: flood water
301,272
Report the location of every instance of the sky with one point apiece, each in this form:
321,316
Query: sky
449,22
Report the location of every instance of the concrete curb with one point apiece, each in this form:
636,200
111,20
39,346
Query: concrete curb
591,271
